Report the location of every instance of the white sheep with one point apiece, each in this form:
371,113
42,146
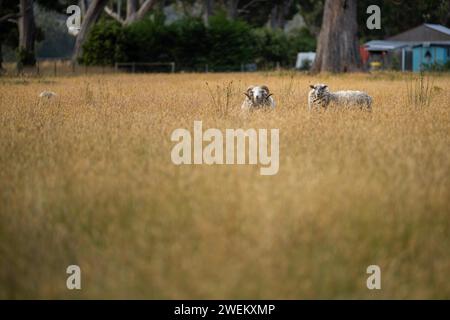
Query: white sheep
320,96
257,97
47,94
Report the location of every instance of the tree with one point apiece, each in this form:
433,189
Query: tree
208,7
337,49
132,7
92,14
8,25
400,15
279,13
232,9
134,11
27,30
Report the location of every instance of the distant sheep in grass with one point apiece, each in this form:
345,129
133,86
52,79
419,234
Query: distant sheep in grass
320,96
257,97
47,94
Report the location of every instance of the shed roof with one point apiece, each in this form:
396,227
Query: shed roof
385,45
424,32
438,27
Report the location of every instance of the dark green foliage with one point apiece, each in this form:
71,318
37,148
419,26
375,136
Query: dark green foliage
190,48
25,58
230,43
147,40
105,44
437,67
400,15
272,46
275,46
224,45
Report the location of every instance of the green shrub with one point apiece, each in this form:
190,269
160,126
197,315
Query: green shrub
104,44
272,46
230,43
302,40
224,45
436,66
190,48
148,40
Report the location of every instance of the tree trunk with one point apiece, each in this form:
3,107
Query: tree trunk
232,9
1,59
145,8
273,17
83,4
208,8
337,49
278,14
132,7
92,14
26,34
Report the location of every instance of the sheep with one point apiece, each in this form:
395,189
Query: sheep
47,94
257,97
320,96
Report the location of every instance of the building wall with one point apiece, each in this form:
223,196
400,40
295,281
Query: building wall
438,55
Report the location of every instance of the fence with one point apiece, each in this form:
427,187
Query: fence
140,66
54,68
58,67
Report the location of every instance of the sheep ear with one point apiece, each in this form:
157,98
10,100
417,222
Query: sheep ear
311,86
325,86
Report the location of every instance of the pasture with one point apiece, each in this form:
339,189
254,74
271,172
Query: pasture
86,178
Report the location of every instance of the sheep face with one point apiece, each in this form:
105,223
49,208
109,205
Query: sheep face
319,90
258,95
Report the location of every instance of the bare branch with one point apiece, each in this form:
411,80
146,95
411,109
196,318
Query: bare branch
9,17
145,7
114,15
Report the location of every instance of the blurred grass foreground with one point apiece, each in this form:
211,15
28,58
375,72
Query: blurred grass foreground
86,179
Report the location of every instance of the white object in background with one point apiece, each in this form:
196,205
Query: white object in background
304,56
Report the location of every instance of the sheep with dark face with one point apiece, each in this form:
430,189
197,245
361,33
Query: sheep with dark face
321,97
257,97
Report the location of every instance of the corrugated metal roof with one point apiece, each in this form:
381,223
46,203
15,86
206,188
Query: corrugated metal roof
384,45
439,28
388,45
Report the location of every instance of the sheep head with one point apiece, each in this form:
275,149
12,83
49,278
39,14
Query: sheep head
319,89
258,95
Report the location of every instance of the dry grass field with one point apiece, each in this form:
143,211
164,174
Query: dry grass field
86,178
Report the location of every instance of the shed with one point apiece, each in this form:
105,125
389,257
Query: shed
430,53
412,49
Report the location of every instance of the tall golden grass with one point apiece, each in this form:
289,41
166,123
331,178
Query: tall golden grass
86,178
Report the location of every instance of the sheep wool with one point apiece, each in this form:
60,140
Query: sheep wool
320,96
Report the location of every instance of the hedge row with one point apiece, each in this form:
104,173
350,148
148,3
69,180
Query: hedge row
224,44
